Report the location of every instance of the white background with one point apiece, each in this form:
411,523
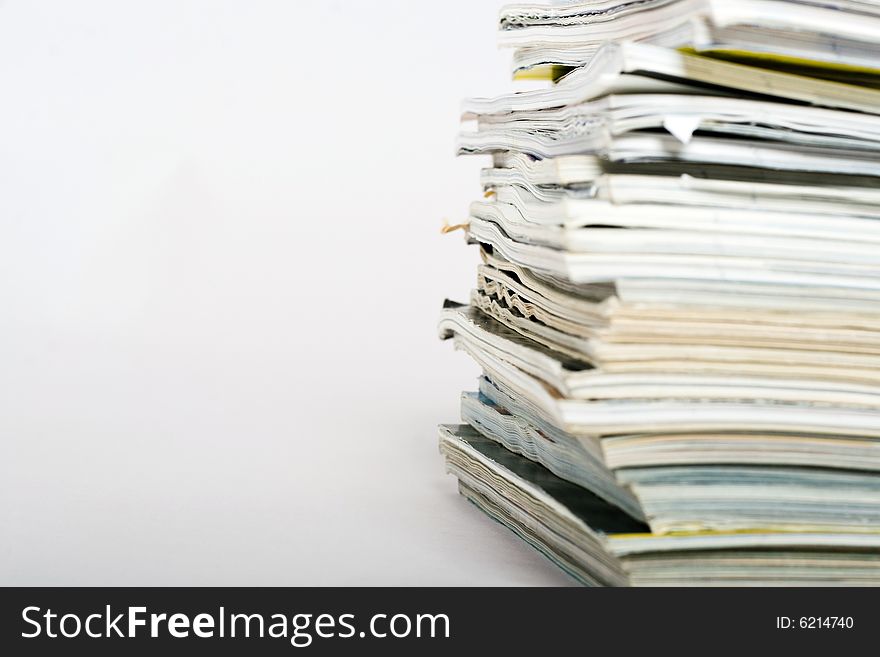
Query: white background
220,274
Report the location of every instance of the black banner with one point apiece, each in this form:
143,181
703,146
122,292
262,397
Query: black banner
277,621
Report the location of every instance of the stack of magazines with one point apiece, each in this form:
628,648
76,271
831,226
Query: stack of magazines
677,306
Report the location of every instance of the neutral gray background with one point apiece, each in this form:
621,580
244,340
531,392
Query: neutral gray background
220,272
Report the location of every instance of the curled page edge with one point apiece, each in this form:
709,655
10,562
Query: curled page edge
682,126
